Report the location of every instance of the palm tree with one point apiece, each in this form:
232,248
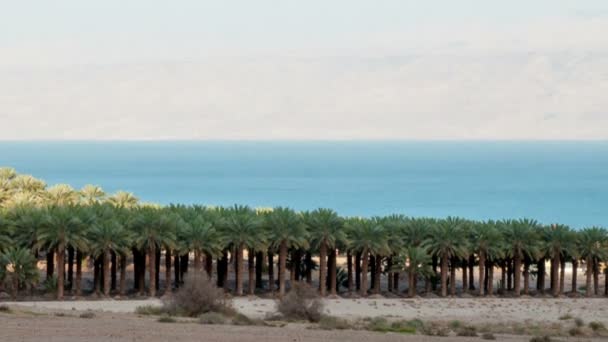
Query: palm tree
521,241
108,235
240,229
64,229
366,237
91,194
155,228
18,266
558,239
200,236
592,249
123,199
486,241
447,240
325,228
285,231
416,262
62,195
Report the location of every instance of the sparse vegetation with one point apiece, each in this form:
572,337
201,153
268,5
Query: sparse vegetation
5,308
576,331
301,303
544,338
469,331
150,310
579,322
597,326
212,318
333,323
488,336
240,319
565,317
87,315
166,319
197,296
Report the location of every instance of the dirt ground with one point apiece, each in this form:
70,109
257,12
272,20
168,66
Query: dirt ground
115,320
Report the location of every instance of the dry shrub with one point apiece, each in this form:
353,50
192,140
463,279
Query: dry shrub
4,308
596,326
301,303
241,319
197,296
213,318
579,322
333,323
149,310
488,336
87,315
468,331
166,319
541,339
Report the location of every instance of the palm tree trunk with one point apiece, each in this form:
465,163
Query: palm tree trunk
349,266
157,269
589,269
377,275
434,261
297,259
113,270
176,271
70,268
142,273
167,270
517,274
225,270
526,276
596,276
395,282
503,276
106,273
562,276
574,274
333,255
541,275
197,260
372,266
60,270
50,264
282,267
209,265
123,275
482,272
239,270
510,273
472,272
555,274
271,285
358,271
96,276
322,268
465,278
411,291
453,277
135,268
364,262
308,267
251,264
259,262
78,283
444,276
491,279
152,269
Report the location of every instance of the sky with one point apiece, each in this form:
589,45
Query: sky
304,70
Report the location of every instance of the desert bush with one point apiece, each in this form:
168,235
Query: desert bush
579,322
333,323
488,336
241,319
212,318
4,308
541,339
597,326
468,331
150,310
301,303
378,324
455,325
166,319
434,329
197,296
50,285
565,317
403,327
576,331
87,315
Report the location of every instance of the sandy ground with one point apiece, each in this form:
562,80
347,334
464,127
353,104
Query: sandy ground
121,327
474,310
114,319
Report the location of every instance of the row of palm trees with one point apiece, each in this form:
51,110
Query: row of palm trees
68,226
111,235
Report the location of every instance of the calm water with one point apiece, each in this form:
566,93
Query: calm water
549,181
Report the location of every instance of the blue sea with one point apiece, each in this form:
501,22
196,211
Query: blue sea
565,182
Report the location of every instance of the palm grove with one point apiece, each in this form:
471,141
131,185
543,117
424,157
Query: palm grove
123,239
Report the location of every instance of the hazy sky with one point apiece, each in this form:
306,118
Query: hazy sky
314,69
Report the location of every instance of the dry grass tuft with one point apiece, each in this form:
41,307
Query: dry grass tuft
301,303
